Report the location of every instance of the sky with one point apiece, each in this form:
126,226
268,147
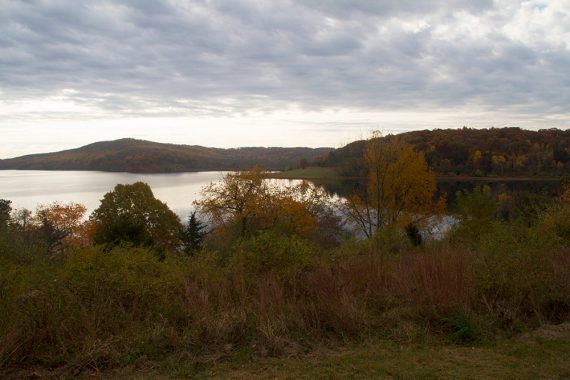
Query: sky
230,73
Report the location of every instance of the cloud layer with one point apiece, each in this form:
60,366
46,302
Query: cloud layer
215,58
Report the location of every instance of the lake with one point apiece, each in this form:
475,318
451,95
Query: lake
29,188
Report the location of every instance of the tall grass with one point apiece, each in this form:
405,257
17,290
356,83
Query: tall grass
272,294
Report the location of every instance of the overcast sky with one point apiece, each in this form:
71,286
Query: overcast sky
275,73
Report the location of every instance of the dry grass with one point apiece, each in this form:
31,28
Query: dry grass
96,310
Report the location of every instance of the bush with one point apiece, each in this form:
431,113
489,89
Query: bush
463,328
83,310
17,247
274,293
557,221
390,240
519,271
271,251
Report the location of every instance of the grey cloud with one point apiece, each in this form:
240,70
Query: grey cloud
387,8
135,56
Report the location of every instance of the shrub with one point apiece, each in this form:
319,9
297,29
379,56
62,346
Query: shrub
273,293
272,251
91,304
17,247
519,271
462,328
390,240
557,221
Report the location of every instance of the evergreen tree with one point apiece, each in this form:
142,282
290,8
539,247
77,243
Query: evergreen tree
414,234
5,210
195,233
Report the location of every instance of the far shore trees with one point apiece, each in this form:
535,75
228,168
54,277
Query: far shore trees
400,187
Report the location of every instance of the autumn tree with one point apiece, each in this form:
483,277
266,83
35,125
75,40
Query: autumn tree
131,213
495,151
235,202
244,202
22,219
400,187
61,224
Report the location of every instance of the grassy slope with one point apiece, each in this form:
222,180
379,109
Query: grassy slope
509,359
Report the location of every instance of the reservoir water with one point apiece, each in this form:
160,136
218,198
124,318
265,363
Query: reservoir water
29,188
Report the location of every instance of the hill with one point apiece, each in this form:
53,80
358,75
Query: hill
139,156
474,152
467,152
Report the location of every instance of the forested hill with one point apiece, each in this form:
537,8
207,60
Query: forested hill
474,152
139,156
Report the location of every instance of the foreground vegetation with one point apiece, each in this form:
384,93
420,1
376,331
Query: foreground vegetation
512,359
506,359
277,273
99,310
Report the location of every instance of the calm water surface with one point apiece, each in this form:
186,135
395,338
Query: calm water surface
29,188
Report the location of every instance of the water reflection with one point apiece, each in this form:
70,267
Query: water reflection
28,188
449,188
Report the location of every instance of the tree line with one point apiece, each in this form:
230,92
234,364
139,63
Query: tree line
472,152
139,156
400,191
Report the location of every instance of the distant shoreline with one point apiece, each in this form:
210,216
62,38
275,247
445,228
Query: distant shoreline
446,178
318,173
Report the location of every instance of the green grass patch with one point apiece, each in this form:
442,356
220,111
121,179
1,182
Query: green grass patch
507,359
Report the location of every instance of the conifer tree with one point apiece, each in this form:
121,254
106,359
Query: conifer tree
195,233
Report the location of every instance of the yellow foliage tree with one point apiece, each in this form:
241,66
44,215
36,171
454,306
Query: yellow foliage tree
236,201
243,202
400,187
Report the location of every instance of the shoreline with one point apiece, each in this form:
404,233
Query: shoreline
322,174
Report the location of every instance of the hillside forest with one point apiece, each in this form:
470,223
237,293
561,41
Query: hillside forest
139,156
472,152
262,269
455,152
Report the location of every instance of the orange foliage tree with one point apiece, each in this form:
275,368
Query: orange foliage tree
63,224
